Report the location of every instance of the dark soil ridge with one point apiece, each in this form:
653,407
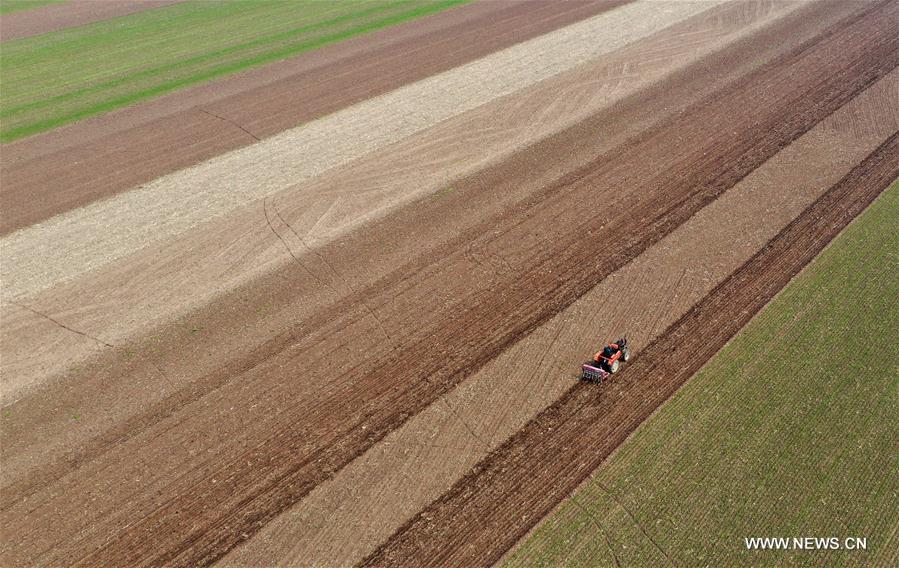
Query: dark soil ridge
492,507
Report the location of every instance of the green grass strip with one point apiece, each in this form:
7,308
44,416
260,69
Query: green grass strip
789,431
10,6
32,104
209,57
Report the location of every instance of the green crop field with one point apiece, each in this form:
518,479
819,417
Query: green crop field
9,6
789,431
60,77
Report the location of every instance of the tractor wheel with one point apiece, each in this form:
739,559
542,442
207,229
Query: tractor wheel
626,354
613,368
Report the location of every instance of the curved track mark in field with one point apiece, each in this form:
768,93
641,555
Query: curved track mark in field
781,101
493,506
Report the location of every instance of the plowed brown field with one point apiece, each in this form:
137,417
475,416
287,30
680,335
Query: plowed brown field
354,338
343,519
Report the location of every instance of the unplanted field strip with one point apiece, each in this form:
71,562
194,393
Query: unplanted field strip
486,512
60,248
836,66
81,94
108,154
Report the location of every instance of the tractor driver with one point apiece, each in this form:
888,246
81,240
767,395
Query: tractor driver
605,353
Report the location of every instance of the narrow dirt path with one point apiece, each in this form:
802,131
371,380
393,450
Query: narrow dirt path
501,498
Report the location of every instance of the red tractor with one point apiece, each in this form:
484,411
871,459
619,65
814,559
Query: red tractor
606,361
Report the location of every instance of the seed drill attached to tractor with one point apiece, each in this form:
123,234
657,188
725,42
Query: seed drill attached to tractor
606,361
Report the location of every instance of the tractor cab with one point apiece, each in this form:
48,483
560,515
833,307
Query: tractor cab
606,361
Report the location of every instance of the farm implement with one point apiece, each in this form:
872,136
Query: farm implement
606,361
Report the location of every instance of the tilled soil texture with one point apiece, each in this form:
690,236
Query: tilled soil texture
503,496
344,519
81,163
230,326
281,453
54,17
105,401
331,176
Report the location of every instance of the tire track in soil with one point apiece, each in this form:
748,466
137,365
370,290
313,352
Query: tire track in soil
493,506
258,488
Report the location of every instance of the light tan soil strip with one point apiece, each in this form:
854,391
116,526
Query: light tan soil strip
42,255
